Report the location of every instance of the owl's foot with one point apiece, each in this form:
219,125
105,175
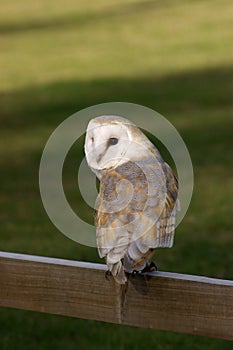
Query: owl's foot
150,267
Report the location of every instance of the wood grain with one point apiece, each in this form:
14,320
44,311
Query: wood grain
166,301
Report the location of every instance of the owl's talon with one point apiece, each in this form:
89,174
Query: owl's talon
153,266
150,267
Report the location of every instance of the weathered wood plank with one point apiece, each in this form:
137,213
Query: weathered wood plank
167,301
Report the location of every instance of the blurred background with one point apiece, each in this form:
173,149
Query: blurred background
58,57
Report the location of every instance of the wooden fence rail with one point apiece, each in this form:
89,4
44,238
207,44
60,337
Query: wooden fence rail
160,300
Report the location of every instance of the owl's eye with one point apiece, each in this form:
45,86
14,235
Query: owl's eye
112,141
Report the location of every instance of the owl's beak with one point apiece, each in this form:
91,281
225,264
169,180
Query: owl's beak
100,157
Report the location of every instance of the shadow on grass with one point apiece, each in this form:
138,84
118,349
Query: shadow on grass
194,91
198,103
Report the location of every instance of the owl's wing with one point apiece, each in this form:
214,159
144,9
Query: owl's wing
166,223
155,226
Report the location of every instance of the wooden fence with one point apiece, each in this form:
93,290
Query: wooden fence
160,300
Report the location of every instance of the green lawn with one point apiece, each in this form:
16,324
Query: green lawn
58,57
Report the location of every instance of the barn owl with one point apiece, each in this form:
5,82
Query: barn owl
138,195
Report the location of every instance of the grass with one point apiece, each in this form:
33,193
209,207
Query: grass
58,57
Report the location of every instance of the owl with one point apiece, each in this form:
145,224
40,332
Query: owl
138,195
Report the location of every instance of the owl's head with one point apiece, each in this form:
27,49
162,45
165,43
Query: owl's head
111,141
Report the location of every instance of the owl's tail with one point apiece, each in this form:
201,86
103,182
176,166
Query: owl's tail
118,273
